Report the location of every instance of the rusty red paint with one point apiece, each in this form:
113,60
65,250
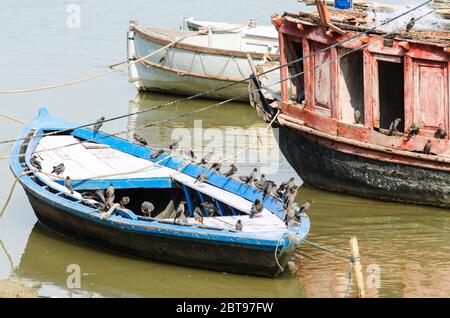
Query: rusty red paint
426,86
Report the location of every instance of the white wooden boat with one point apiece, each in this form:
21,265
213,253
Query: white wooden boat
198,63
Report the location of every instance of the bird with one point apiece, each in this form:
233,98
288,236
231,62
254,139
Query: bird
68,184
305,207
101,195
98,124
210,208
427,147
232,171
110,196
410,24
140,140
34,161
238,225
439,133
256,208
393,126
216,165
188,152
147,208
289,198
179,214
261,183
202,177
110,191
280,191
357,115
268,188
290,214
124,201
58,169
249,179
413,130
198,215
291,183
156,153
173,146
206,158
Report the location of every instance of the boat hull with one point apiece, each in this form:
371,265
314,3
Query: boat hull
190,69
228,257
326,168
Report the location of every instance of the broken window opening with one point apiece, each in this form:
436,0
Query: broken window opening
294,51
351,86
391,94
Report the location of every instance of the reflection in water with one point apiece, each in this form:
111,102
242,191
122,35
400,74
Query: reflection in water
104,273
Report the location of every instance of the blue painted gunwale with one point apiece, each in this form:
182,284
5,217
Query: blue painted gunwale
45,122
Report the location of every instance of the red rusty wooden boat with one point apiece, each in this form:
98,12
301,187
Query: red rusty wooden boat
388,75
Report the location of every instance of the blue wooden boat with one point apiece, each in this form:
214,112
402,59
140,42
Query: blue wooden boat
95,160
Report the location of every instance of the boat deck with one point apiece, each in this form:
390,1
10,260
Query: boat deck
87,161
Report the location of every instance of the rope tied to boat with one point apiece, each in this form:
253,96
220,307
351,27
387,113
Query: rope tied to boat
351,260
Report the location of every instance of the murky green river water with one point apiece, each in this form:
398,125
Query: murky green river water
405,249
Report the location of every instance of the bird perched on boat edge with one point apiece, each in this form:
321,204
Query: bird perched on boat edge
413,130
256,208
68,184
249,179
124,201
427,147
147,208
58,169
410,24
98,124
233,169
440,133
289,198
198,215
238,225
179,214
202,177
156,153
140,140
188,152
268,188
173,146
261,183
291,184
34,161
206,158
305,207
215,166
393,126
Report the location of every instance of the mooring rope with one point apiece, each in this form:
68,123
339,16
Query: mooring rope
350,259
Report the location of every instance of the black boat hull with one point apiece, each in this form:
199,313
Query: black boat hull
194,253
325,168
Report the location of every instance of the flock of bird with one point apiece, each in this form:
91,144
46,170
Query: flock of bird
104,199
413,130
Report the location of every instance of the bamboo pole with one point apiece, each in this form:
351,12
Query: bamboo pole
357,268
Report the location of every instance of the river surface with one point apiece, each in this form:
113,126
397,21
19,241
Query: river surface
405,248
